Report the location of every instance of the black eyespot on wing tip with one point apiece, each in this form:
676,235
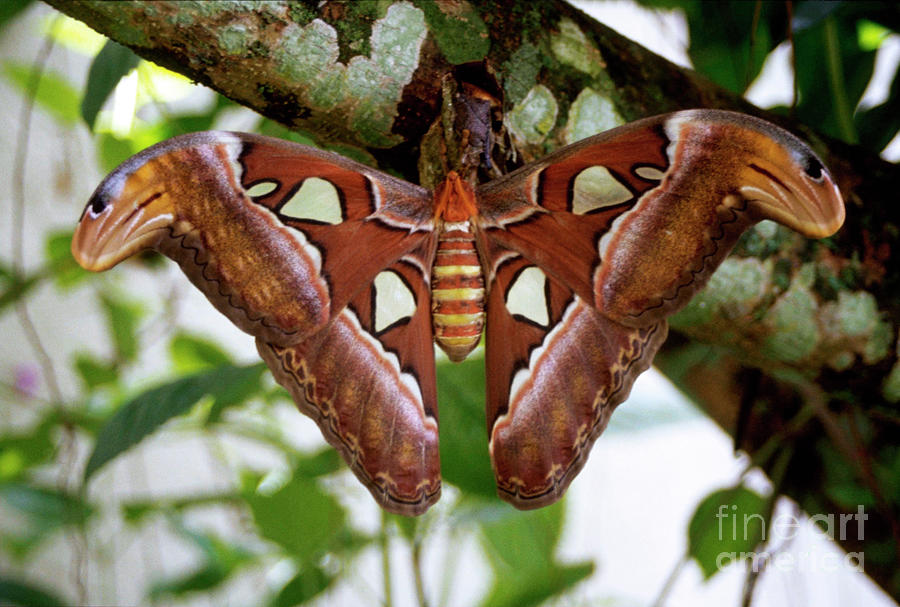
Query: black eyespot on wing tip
813,167
97,204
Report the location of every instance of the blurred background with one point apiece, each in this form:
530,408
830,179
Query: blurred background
236,499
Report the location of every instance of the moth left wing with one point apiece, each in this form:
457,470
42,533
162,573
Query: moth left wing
277,235
324,260
368,380
556,371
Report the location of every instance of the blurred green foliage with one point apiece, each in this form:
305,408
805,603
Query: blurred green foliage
833,44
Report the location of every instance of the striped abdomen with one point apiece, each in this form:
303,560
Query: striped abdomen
457,292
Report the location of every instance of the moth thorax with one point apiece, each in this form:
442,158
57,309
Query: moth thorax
457,292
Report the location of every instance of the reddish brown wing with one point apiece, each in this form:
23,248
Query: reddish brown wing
622,229
361,220
278,236
554,212
368,382
556,370
636,219
325,261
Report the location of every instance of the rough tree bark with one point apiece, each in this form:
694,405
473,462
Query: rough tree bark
792,347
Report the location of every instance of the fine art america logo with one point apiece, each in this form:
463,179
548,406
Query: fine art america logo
736,527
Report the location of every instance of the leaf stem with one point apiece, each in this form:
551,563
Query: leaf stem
417,572
450,567
755,567
386,561
670,581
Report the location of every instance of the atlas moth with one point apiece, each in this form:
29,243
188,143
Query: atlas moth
569,265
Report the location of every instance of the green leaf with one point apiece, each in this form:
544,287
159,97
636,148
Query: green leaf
728,525
521,550
190,123
724,44
123,317
14,592
9,10
62,266
190,353
524,539
94,372
113,151
831,66
178,125
878,125
111,64
16,288
465,460
206,577
47,507
309,582
134,512
138,418
24,450
221,560
43,510
871,35
538,587
321,463
54,93
407,525
300,517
